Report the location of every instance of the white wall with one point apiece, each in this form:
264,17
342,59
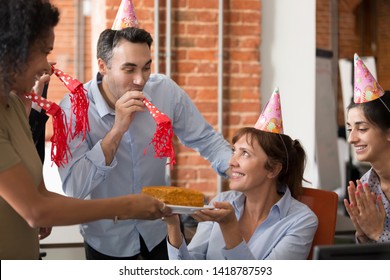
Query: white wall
288,57
98,22
59,234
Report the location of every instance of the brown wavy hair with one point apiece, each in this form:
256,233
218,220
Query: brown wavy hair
280,149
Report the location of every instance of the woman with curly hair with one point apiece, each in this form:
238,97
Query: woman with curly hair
27,208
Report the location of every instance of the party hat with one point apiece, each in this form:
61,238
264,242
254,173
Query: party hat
270,119
366,88
125,16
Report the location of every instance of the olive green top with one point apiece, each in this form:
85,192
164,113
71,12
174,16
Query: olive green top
17,239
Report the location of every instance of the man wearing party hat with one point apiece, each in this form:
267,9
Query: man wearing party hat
368,123
128,106
267,172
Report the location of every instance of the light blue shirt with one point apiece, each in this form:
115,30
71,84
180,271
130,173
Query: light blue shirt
87,177
286,234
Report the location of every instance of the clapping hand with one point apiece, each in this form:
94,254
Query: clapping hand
366,211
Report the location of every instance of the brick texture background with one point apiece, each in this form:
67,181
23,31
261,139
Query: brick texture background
364,28
194,65
195,52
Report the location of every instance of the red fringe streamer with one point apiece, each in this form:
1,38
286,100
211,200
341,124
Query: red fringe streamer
59,145
80,104
162,138
162,142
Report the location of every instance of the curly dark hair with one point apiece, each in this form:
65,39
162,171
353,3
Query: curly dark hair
22,23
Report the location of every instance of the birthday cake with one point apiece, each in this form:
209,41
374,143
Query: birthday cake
176,195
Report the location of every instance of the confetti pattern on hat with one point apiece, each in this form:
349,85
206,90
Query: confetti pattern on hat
270,119
366,88
125,16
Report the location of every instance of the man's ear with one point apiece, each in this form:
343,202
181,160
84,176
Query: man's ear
102,66
275,171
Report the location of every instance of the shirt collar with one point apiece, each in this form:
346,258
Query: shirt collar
284,203
279,208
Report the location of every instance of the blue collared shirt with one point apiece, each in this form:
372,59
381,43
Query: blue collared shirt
87,176
286,234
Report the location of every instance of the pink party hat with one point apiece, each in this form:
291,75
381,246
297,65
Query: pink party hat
366,88
270,119
125,16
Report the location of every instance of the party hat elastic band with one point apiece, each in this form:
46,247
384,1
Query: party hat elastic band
366,88
384,104
125,16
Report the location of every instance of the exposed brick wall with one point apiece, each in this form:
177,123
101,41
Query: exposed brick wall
323,24
364,28
194,65
194,57
64,51
383,42
88,59
349,39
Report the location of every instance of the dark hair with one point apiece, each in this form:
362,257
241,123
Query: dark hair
375,111
22,23
109,39
279,148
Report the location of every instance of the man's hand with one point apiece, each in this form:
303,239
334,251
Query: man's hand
125,107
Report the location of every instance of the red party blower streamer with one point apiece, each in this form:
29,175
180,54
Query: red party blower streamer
79,101
162,139
60,151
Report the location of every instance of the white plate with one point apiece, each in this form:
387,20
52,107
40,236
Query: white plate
178,209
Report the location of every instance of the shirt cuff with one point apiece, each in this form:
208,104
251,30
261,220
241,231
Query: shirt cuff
221,168
96,156
384,237
240,252
178,254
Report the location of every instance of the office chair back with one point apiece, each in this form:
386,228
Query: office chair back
324,204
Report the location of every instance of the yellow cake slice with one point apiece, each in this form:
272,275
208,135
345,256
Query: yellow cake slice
176,195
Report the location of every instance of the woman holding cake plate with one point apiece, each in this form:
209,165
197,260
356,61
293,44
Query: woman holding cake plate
259,218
